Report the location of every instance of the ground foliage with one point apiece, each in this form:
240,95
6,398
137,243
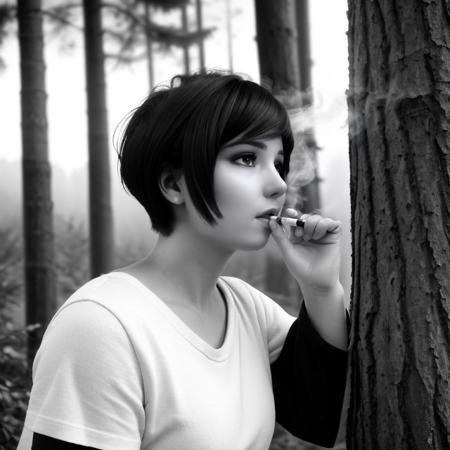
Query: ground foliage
71,248
14,378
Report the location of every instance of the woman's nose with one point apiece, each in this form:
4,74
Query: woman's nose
274,186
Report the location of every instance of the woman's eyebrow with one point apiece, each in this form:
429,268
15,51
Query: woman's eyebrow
257,144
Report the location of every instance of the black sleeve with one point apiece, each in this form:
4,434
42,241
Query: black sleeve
309,380
42,442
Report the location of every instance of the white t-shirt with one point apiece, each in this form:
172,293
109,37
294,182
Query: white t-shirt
118,369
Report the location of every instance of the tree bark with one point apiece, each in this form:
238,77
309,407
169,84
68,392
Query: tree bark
100,210
277,44
185,27
40,273
201,44
304,50
399,119
310,192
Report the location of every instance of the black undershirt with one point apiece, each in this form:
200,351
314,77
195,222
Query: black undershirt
41,442
308,381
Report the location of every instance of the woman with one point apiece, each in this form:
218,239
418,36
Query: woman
168,354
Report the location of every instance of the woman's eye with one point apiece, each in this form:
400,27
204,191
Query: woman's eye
249,159
280,167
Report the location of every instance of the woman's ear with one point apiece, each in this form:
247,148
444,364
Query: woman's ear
169,183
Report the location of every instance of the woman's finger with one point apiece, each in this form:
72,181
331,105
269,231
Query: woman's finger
321,229
324,227
279,236
311,222
291,212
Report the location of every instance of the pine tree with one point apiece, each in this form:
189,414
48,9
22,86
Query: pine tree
40,278
100,209
399,114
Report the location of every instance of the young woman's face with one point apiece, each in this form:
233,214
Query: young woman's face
248,188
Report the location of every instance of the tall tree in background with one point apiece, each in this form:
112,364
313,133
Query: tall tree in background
149,48
279,61
130,31
130,24
100,209
311,192
279,71
277,44
185,28
184,40
201,46
40,274
399,112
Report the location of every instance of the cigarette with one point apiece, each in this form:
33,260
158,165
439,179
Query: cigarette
289,221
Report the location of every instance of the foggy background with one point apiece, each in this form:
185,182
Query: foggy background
127,86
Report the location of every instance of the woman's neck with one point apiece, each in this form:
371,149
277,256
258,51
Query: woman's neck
189,266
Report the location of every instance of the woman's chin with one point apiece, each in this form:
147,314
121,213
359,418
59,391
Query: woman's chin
254,242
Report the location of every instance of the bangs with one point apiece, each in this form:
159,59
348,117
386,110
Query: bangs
256,114
230,109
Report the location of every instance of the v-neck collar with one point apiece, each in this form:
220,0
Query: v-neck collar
218,354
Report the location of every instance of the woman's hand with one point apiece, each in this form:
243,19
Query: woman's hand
312,253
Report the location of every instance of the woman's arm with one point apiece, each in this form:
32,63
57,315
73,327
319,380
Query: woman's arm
309,376
312,255
309,379
42,442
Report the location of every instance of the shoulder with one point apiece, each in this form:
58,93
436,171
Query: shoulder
243,290
246,291
95,321
111,297
107,288
83,331
86,345
250,297
234,283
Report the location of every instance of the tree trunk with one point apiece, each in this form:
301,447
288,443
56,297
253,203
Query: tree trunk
310,192
279,71
149,48
201,44
399,116
304,51
100,211
277,44
40,274
185,27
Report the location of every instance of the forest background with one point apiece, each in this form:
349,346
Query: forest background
127,86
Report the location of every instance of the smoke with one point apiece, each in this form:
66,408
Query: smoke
303,163
304,122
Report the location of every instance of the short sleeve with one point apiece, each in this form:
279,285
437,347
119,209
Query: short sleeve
87,385
276,321
278,325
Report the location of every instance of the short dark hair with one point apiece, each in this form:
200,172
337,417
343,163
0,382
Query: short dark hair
185,125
